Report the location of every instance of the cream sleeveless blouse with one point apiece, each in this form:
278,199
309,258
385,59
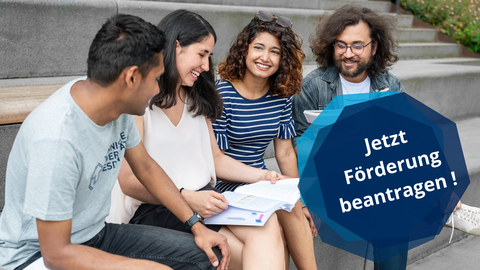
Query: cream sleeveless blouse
183,151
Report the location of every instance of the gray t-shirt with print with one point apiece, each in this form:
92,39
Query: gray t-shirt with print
62,166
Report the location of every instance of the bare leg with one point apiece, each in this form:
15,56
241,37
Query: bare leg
263,247
236,249
459,205
298,236
287,255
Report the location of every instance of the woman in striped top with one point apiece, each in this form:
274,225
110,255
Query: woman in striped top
261,73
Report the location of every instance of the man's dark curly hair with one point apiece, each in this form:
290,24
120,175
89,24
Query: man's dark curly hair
383,30
288,78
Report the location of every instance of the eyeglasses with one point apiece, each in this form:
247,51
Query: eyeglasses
268,17
356,49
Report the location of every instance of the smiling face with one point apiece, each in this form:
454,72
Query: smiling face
193,60
353,68
263,56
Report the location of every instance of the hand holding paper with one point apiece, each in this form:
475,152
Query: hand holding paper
254,204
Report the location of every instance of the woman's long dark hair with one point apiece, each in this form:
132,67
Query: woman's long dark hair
203,98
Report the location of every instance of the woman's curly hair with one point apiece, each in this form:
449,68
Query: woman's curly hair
383,28
288,78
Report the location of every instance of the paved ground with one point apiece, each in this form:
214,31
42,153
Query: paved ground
460,255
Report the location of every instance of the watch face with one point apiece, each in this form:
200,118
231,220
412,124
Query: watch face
200,218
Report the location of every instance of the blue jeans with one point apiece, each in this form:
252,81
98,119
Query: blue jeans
173,248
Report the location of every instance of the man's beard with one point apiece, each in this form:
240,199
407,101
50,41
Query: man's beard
361,66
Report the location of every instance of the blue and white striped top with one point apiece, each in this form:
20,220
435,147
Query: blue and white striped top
247,126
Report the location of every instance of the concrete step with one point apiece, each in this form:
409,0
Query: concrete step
414,35
428,50
432,81
404,21
462,254
379,6
373,5
49,38
40,52
18,97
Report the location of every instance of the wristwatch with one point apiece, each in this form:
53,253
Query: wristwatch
191,221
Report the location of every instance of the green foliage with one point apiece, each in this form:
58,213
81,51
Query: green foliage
458,19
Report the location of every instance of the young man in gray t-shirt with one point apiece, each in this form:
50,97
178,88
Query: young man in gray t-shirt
67,156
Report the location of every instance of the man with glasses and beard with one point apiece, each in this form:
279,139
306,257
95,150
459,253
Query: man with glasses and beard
354,48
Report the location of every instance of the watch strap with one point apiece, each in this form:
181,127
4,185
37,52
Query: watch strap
191,221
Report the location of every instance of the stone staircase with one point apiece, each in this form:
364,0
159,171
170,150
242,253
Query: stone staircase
380,6
44,43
